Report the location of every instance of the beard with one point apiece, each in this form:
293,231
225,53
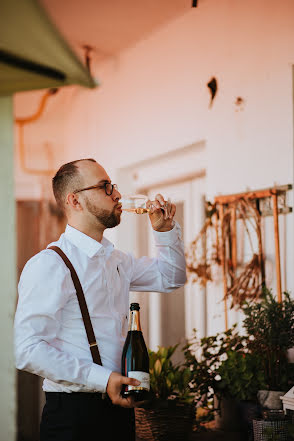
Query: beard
109,219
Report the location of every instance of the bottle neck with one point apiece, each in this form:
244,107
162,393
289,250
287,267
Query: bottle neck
134,323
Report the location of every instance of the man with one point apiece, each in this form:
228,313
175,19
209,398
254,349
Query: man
50,338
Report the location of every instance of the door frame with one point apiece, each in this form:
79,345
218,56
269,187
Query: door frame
171,169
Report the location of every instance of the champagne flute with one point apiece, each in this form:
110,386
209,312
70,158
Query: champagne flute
136,203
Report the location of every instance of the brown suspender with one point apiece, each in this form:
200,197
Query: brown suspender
83,306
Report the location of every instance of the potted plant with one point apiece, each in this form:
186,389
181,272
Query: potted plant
241,377
270,330
168,415
226,377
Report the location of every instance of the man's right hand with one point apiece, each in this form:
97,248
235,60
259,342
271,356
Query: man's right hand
114,387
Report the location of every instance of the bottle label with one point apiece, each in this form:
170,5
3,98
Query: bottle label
144,377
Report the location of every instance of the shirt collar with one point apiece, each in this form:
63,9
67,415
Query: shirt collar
85,243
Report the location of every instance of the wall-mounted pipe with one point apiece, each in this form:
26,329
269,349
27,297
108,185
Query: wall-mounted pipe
21,122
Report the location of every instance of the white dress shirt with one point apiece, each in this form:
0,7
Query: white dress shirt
50,338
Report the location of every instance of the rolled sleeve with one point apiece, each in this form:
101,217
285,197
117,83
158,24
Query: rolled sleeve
168,237
98,378
167,271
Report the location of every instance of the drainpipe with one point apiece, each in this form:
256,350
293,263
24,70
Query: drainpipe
21,122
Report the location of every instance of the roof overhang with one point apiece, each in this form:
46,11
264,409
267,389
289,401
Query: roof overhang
33,54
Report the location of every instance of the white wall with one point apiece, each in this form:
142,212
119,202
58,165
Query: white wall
154,99
154,96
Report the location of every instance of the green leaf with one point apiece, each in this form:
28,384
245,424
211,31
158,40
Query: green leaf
157,367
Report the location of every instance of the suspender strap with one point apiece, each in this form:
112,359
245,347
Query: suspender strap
83,306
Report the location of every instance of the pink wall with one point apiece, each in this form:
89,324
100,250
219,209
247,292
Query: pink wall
154,99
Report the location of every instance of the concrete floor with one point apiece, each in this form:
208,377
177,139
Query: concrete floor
214,435
217,435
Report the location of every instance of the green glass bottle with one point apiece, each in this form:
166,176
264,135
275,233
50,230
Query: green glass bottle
135,358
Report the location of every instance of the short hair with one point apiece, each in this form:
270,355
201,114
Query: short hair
66,179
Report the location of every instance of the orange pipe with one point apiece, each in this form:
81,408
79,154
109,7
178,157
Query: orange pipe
234,238
257,194
277,245
21,122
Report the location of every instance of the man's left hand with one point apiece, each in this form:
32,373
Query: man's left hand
161,213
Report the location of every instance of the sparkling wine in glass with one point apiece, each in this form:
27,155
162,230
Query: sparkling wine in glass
136,203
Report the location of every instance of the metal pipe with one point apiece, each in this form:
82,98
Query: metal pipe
277,245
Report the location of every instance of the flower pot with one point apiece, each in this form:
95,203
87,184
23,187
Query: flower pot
249,410
270,399
227,415
168,422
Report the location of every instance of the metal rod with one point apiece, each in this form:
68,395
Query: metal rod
277,245
257,194
285,252
260,246
234,238
223,260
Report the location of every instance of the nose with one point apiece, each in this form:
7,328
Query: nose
116,195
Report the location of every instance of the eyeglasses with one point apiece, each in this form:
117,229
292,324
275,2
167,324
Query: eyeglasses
108,187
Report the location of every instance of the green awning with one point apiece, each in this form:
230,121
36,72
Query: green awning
33,55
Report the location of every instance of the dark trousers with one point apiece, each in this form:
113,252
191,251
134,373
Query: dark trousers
80,416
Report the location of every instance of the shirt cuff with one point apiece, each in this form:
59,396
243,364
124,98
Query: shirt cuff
98,378
168,237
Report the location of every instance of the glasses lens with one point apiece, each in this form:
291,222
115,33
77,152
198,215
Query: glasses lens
108,188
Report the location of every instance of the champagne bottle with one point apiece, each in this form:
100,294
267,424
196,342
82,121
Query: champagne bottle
135,358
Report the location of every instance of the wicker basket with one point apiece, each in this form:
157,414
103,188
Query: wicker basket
170,423
271,430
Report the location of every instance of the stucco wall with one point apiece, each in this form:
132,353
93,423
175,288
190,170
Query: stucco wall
154,96
154,99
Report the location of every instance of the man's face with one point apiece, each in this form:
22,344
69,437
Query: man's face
97,205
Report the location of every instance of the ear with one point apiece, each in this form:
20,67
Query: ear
72,200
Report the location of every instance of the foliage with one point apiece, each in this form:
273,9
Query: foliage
231,365
167,380
241,375
222,365
270,328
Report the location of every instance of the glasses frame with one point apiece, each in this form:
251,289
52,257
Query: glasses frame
105,185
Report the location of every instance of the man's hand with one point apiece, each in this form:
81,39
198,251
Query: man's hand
114,387
161,213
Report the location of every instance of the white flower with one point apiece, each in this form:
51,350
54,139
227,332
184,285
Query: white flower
223,357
